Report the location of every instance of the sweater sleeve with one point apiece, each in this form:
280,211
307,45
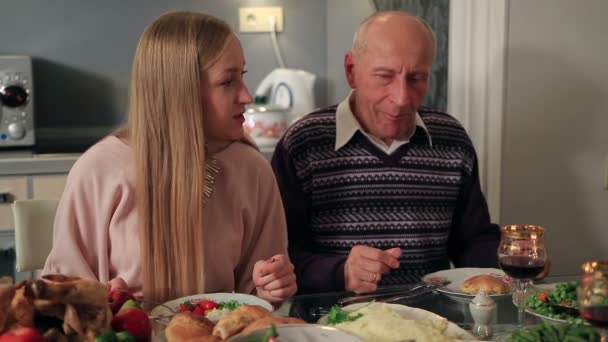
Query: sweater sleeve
268,236
473,239
80,235
315,272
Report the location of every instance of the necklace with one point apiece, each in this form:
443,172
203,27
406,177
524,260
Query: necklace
212,169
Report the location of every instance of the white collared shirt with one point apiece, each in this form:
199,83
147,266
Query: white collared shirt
347,125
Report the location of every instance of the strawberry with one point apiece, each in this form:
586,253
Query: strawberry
23,334
117,298
135,321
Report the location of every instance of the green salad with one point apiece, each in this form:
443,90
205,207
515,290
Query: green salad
562,294
548,332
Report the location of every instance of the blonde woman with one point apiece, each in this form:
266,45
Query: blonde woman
179,201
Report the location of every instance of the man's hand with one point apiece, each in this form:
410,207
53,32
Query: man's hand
274,279
365,266
546,271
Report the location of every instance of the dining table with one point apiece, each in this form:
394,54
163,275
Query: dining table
311,307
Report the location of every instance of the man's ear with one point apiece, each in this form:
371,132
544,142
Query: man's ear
349,69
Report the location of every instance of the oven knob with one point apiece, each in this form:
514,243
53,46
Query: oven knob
16,131
13,96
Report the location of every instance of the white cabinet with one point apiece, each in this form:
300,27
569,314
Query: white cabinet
12,188
26,177
48,186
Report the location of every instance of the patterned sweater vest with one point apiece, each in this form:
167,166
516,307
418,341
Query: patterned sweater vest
360,195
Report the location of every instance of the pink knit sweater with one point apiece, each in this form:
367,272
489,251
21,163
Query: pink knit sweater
96,234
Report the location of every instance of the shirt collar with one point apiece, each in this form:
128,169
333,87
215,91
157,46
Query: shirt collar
347,124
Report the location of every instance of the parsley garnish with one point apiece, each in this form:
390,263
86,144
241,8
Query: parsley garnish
230,305
337,315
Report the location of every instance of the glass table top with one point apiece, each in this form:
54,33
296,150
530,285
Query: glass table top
311,307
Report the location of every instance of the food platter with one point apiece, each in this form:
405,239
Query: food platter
457,276
301,332
163,310
412,313
166,309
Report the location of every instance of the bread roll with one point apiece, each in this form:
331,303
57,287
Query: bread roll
187,325
490,284
267,322
208,338
238,319
6,297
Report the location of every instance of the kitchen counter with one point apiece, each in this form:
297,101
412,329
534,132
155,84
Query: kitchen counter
36,164
27,162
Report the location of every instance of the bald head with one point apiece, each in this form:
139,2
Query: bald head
393,25
388,69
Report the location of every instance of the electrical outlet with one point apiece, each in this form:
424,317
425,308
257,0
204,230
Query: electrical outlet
257,19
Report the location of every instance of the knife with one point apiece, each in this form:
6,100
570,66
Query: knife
395,296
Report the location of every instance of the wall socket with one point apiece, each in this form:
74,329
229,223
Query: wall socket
257,19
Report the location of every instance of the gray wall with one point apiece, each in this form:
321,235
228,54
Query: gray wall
83,50
555,143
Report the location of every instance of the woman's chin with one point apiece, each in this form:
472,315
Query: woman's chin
236,135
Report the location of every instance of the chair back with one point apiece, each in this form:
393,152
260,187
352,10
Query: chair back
33,232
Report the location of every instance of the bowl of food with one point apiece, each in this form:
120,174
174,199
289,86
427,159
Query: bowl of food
554,303
213,306
547,332
265,124
246,320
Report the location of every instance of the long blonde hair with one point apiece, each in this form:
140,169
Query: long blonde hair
165,129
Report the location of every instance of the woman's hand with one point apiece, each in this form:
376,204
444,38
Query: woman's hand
274,279
117,284
118,293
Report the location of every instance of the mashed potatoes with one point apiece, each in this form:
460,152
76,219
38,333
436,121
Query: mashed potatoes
382,324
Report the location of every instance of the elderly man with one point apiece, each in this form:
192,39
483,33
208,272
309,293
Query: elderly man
379,190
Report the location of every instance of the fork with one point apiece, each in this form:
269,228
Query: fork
154,317
417,290
160,318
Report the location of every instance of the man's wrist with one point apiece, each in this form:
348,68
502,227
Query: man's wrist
340,276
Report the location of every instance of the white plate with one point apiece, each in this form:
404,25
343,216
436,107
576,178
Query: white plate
301,333
216,297
414,313
457,276
159,333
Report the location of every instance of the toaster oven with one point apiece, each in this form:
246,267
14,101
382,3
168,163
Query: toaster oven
16,102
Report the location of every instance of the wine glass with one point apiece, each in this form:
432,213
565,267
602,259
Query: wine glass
593,295
522,256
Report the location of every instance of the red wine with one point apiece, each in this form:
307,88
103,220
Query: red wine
596,315
521,267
